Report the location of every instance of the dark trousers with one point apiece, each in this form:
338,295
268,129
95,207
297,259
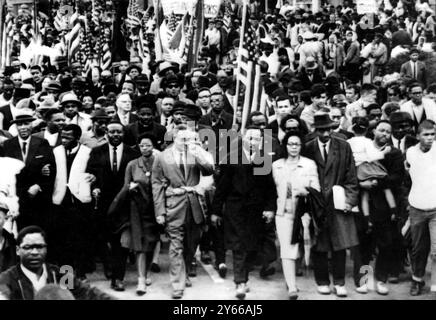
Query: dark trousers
268,252
206,241
118,257
242,262
218,244
321,267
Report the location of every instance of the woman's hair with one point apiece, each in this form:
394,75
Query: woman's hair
284,145
149,136
302,127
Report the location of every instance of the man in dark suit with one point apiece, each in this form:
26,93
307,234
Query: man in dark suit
9,111
414,69
55,119
336,168
35,182
144,124
249,197
108,164
402,131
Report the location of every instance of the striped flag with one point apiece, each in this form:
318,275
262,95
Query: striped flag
227,16
7,38
248,70
73,38
132,14
171,25
194,40
159,17
175,40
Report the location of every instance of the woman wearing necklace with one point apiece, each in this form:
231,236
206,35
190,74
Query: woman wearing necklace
292,174
143,231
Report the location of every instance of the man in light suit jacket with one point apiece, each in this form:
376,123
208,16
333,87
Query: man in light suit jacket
109,171
176,184
414,69
35,181
71,199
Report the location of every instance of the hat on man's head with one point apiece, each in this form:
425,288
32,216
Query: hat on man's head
46,104
70,97
323,121
164,67
360,123
99,114
142,78
178,106
400,116
192,111
311,63
21,93
414,50
23,117
308,35
54,85
171,79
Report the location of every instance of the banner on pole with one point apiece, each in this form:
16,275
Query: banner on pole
366,6
211,8
177,6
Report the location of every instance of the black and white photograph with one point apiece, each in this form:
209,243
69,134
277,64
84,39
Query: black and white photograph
227,153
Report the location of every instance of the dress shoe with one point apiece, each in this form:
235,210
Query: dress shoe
241,291
205,257
393,280
416,288
381,288
192,270
363,289
340,291
293,295
117,285
154,268
265,272
324,289
148,281
177,294
222,270
141,288
188,282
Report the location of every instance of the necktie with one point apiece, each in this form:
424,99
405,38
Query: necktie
181,164
115,161
324,146
24,149
166,122
414,70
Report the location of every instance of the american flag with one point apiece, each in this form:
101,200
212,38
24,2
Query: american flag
248,69
172,25
159,18
194,35
227,16
133,19
7,38
73,38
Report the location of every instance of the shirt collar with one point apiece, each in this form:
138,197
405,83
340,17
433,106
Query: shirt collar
21,140
321,145
37,283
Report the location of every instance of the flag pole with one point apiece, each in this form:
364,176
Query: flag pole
238,61
2,36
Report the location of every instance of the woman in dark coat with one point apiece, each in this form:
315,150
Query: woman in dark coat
143,231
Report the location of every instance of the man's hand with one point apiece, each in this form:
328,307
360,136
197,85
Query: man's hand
33,190
96,192
215,220
90,178
268,216
160,220
45,171
348,208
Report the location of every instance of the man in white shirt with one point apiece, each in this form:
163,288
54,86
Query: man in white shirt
421,162
203,100
418,107
166,119
124,108
55,119
70,104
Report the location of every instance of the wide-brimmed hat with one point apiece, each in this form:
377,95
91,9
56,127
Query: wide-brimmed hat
323,121
311,63
54,85
308,35
21,118
192,111
100,114
164,67
70,97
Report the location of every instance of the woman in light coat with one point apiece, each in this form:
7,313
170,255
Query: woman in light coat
292,175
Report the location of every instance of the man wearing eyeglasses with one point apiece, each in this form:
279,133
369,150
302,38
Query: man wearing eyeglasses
25,279
418,107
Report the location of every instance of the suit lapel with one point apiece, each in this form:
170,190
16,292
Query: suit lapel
331,156
172,162
17,154
33,145
317,154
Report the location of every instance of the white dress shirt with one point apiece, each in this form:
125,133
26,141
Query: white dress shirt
124,119
119,152
321,147
418,111
37,284
21,141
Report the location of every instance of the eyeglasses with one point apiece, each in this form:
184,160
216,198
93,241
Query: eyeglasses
38,247
145,145
294,144
201,97
419,92
171,86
